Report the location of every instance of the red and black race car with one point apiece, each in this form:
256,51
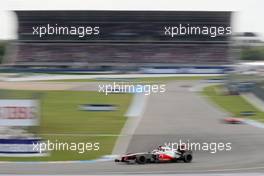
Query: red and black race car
162,154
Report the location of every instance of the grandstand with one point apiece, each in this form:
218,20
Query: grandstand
127,38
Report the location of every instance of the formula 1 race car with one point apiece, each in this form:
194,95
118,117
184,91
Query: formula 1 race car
233,120
159,155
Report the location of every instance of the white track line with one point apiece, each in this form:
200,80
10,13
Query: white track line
134,115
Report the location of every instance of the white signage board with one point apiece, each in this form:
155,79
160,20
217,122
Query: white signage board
17,112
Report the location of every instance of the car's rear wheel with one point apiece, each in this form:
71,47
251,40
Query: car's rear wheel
187,158
141,160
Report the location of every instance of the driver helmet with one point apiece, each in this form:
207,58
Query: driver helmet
183,147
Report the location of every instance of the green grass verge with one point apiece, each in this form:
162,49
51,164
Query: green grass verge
233,104
60,115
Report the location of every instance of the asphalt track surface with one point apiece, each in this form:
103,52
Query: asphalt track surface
178,114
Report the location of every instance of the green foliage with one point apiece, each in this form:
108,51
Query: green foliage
2,50
253,53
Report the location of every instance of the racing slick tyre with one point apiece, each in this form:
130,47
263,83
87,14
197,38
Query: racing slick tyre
187,158
141,159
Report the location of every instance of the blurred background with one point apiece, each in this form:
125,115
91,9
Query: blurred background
214,85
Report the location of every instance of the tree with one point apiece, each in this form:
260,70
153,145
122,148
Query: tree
253,53
2,51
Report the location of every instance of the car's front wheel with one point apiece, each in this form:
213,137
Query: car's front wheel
187,158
